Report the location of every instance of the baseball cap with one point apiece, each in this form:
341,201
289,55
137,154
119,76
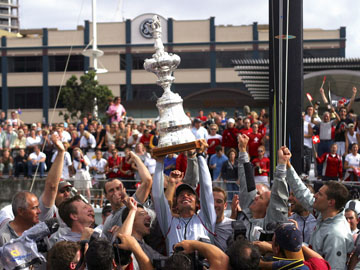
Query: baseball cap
64,184
182,187
197,120
288,237
231,120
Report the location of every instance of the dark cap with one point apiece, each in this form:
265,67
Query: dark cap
288,237
197,120
184,187
64,184
107,209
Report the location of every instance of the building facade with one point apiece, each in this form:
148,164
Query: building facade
9,15
32,66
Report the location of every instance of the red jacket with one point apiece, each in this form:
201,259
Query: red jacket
229,138
112,163
264,164
332,165
254,143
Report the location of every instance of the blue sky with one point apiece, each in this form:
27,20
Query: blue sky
67,14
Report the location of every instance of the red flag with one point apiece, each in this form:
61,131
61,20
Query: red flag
322,85
315,139
309,97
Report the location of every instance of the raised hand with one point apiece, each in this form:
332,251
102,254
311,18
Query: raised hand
284,155
176,176
57,142
243,141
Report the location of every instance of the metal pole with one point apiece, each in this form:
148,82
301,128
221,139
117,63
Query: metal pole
94,36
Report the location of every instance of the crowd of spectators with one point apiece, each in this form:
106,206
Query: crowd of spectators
213,207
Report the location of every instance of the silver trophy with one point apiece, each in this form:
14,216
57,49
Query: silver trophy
174,126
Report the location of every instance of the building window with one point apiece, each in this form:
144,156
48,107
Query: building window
151,92
194,59
54,90
58,63
25,64
25,97
137,60
314,53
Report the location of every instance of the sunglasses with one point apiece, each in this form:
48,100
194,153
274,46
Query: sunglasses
66,189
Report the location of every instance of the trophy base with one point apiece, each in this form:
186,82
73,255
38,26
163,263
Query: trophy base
163,151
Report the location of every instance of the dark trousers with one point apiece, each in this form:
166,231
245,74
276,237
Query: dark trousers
307,159
20,167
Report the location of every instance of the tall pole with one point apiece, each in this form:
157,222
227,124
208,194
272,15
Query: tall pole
286,78
94,37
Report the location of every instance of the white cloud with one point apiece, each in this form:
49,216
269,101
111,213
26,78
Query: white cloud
317,14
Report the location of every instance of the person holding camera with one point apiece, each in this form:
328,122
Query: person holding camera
289,251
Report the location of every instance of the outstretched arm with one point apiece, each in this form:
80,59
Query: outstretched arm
161,204
206,195
128,224
143,191
352,99
54,175
278,206
246,197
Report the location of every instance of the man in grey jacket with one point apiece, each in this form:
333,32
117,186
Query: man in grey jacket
258,210
332,237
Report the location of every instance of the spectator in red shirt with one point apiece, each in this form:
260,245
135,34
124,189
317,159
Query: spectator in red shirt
261,167
125,165
146,138
255,140
213,139
332,164
201,116
229,137
113,167
247,129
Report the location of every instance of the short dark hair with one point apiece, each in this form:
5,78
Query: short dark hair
100,255
62,254
240,259
218,148
66,208
352,210
337,192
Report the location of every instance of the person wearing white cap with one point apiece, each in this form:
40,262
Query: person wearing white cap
229,136
134,139
199,131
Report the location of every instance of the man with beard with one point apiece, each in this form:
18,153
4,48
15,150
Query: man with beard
305,220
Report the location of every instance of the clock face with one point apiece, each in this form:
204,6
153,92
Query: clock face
145,28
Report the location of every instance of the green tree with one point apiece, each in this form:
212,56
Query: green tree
78,98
